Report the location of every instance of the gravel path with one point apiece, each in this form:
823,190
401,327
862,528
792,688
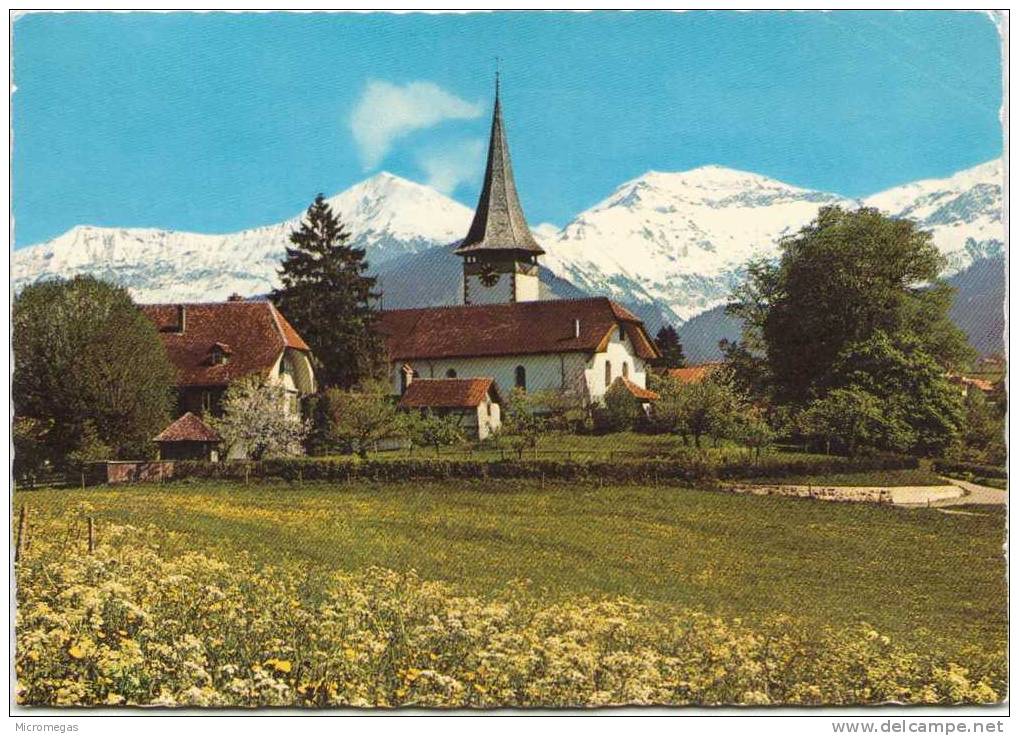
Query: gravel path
975,494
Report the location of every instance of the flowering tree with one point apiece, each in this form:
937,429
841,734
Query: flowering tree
256,420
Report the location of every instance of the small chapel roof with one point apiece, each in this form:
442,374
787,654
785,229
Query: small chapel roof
499,223
447,393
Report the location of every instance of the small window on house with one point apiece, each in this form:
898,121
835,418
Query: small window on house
622,334
626,369
608,373
285,368
206,401
521,377
415,374
451,373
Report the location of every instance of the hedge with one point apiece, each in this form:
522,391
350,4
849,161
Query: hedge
685,469
976,470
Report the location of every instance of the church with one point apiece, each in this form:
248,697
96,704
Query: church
504,330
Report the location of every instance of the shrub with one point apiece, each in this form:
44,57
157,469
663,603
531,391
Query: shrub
684,467
974,470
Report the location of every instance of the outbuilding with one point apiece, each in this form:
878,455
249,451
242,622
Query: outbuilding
188,438
475,401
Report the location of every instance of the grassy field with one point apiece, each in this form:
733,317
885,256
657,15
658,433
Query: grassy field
914,574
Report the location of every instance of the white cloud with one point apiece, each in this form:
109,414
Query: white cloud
389,111
448,167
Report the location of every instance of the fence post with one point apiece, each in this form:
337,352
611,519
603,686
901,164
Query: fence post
91,535
22,532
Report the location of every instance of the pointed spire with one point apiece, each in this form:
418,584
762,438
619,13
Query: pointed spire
499,222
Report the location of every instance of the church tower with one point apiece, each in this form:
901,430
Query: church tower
499,252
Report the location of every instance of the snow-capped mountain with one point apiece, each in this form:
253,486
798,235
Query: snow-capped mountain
963,211
667,244
387,215
680,239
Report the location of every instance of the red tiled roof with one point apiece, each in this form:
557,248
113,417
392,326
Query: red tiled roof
637,391
188,428
509,329
693,373
254,333
447,393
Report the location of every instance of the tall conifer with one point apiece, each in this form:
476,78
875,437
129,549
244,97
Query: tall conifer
327,295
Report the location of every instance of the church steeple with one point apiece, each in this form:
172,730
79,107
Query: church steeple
499,240
499,222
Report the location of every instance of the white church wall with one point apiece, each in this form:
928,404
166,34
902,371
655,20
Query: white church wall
617,353
542,372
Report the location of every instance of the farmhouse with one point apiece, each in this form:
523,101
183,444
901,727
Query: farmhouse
503,331
474,401
213,344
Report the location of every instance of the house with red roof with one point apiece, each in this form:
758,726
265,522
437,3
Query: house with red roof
213,344
505,331
474,401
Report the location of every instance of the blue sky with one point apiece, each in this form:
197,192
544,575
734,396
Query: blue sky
216,122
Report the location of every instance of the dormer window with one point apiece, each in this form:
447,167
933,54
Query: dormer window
219,354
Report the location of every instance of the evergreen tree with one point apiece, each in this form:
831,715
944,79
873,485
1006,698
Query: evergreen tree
668,344
328,297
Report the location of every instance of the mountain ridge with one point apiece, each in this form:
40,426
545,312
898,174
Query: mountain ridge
670,245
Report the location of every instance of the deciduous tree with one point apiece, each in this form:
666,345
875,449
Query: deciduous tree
86,359
256,421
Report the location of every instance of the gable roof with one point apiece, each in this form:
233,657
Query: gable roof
693,373
447,393
189,428
254,332
522,328
637,391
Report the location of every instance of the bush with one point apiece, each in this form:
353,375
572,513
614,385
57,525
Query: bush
975,470
683,467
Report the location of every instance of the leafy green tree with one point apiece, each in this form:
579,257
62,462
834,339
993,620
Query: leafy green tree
846,417
30,451
363,416
257,422
667,341
429,429
522,422
329,298
692,410
751,429
90,449
621,411
983,430
86,356
841,279
921,411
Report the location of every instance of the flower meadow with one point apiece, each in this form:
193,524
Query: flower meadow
146,621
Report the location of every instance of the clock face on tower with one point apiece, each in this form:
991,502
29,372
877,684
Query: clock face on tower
489,276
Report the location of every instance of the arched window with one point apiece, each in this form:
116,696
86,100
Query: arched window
626,369
451,373
608,373
521,377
